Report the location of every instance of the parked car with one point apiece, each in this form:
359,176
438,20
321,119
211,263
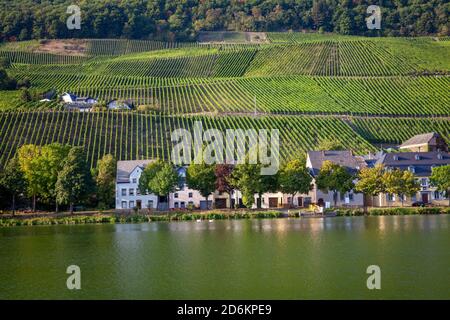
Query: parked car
421,204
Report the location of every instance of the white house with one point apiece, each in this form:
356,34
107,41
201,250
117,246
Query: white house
127,186
128,195
119,105
69,97
343,158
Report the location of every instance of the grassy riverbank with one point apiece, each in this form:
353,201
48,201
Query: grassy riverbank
211,215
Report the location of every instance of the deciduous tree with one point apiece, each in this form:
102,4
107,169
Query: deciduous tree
13,180
440,178
74,181
295,178
335,178
201,177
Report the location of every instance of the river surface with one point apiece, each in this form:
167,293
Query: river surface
239,259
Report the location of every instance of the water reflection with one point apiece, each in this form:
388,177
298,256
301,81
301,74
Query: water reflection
253,259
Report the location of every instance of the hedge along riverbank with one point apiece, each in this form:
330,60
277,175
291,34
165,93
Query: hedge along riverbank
392,211
109,218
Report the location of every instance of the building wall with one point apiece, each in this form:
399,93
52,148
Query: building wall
433,197
354,199
185,197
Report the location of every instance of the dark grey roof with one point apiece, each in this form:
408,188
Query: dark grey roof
419,139
422,165
343,158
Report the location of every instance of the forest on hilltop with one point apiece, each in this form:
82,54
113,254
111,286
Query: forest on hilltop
181,20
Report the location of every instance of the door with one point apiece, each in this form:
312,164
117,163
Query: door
425,197
273,202
139,204
221,203
205,205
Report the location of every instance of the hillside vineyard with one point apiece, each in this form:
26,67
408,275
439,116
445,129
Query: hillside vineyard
364,92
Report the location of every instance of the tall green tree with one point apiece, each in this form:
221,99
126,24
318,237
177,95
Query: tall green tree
370,181
401,183
267,183
13,180
335,178
295,178
440,178
201,177
74,181
105,181
28,157
50,163
159,178
246,178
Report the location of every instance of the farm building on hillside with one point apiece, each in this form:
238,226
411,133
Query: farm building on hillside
68,97
82,104
425,143
120,105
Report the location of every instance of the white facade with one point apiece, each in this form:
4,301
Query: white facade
68,98
128,195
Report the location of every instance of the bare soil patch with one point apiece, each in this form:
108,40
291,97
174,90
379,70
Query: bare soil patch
71,47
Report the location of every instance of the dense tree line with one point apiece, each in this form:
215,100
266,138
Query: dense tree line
56,174
183,19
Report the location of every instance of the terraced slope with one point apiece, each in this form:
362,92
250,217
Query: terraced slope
310,87
130,135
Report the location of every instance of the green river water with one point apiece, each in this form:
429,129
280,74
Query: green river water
239,259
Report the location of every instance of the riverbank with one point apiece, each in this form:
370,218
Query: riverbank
98,218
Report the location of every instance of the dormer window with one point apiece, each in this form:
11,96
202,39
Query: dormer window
395,157
411,169
439,156
417,157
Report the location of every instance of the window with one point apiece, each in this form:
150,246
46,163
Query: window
124,204
350,196
150,204
413,198
411,169
134,180
175,195
342,196
190,194
131,192
424,182
439,156
191,203
289,200
390,197
176,205
131,204
183,205
138,192
437,195
124,192
417,157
